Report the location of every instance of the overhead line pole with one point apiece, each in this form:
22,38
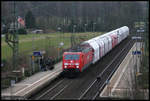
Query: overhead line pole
15,42
12,41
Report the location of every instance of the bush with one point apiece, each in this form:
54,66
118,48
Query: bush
22,31
27,73
4,31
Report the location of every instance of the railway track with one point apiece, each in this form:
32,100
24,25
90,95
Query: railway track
104,77
88,83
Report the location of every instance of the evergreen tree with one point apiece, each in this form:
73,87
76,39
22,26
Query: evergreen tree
30,20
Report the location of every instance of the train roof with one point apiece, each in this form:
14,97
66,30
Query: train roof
81,48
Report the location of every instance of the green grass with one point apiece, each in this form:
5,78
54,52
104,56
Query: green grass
30,42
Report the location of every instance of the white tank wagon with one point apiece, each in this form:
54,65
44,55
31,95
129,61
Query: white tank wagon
95,47
104,43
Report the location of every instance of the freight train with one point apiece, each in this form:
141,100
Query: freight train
90,51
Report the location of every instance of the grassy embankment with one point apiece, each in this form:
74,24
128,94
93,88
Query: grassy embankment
48,42
37,42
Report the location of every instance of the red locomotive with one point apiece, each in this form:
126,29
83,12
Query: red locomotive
80,59
90,51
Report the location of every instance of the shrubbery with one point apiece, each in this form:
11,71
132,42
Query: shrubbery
27,73
22,31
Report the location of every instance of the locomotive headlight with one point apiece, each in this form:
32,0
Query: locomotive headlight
65,66
77,66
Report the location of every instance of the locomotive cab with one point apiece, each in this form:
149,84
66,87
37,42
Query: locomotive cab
72,61
77,60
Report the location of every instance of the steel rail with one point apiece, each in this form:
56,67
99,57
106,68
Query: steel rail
112,61
106,81
91,85
49,89
87,89
60,91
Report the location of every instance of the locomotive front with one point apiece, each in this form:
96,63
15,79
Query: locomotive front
71,62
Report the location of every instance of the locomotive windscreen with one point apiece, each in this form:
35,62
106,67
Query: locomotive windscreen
71,57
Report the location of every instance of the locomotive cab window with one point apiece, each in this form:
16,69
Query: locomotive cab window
71,57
